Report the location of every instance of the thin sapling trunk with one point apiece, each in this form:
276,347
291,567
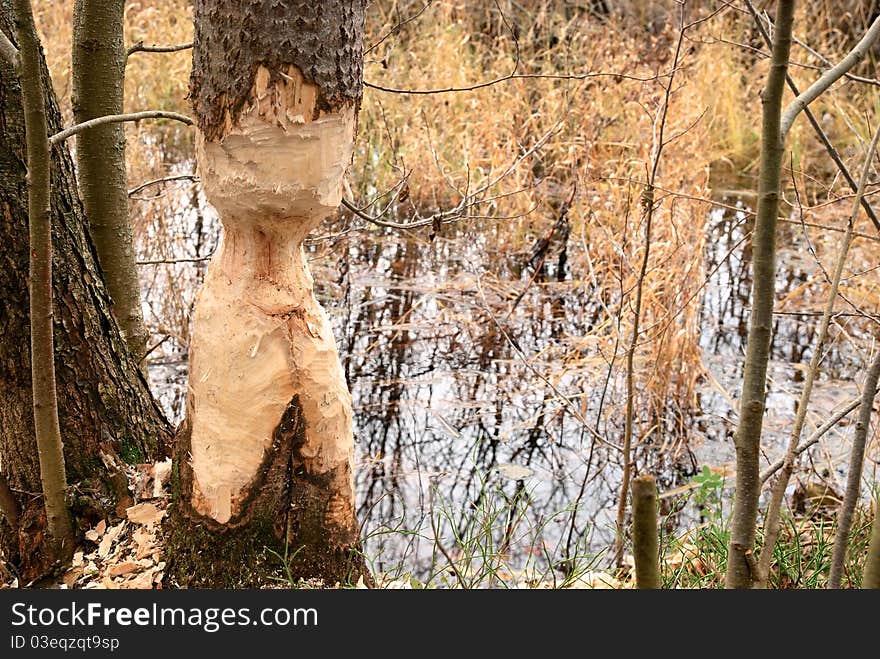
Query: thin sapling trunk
47,428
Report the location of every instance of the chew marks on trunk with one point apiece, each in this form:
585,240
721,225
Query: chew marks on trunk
264,459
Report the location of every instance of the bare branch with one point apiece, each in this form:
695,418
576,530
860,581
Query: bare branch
828,78
813,439
832,152
854,474
118,118
520,76
140,47
159,181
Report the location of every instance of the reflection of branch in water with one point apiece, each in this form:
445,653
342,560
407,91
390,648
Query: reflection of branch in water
519,353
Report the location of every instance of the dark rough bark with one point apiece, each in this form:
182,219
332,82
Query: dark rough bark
98,89
324,40
105,406
281,531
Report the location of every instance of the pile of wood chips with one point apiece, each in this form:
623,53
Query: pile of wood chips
128,554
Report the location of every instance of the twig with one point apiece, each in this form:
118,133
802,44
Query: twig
194,259
649,206
440,546
520,76
396,28
813,439
467,201
139,47
828,78
817,128
119,118
167,179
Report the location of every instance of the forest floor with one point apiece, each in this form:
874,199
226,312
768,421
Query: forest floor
130,554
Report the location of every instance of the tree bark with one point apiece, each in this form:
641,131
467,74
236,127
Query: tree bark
772,519
47,431
740,559
871,575
106,412
263,463
854,475
646,539
98,75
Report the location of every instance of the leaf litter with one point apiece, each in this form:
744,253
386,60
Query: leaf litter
127,554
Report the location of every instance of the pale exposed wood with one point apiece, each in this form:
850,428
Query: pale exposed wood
259,335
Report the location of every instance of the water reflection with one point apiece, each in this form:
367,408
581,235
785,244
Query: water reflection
448,345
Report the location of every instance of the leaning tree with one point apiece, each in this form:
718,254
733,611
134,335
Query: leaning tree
263,461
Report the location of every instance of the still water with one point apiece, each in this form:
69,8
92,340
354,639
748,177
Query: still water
470,417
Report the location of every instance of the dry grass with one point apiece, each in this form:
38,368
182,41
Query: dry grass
595,140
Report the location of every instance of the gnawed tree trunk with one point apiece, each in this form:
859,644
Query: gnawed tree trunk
106,411
98,74
263,463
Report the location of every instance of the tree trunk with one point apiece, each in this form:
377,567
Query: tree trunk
98,74
106,411
646,538
263,463
741,567
47,431
854,473
871,575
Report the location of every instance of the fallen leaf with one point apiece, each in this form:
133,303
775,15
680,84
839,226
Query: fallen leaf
95,534
109,538
122,568
161,474
71,576
141,581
